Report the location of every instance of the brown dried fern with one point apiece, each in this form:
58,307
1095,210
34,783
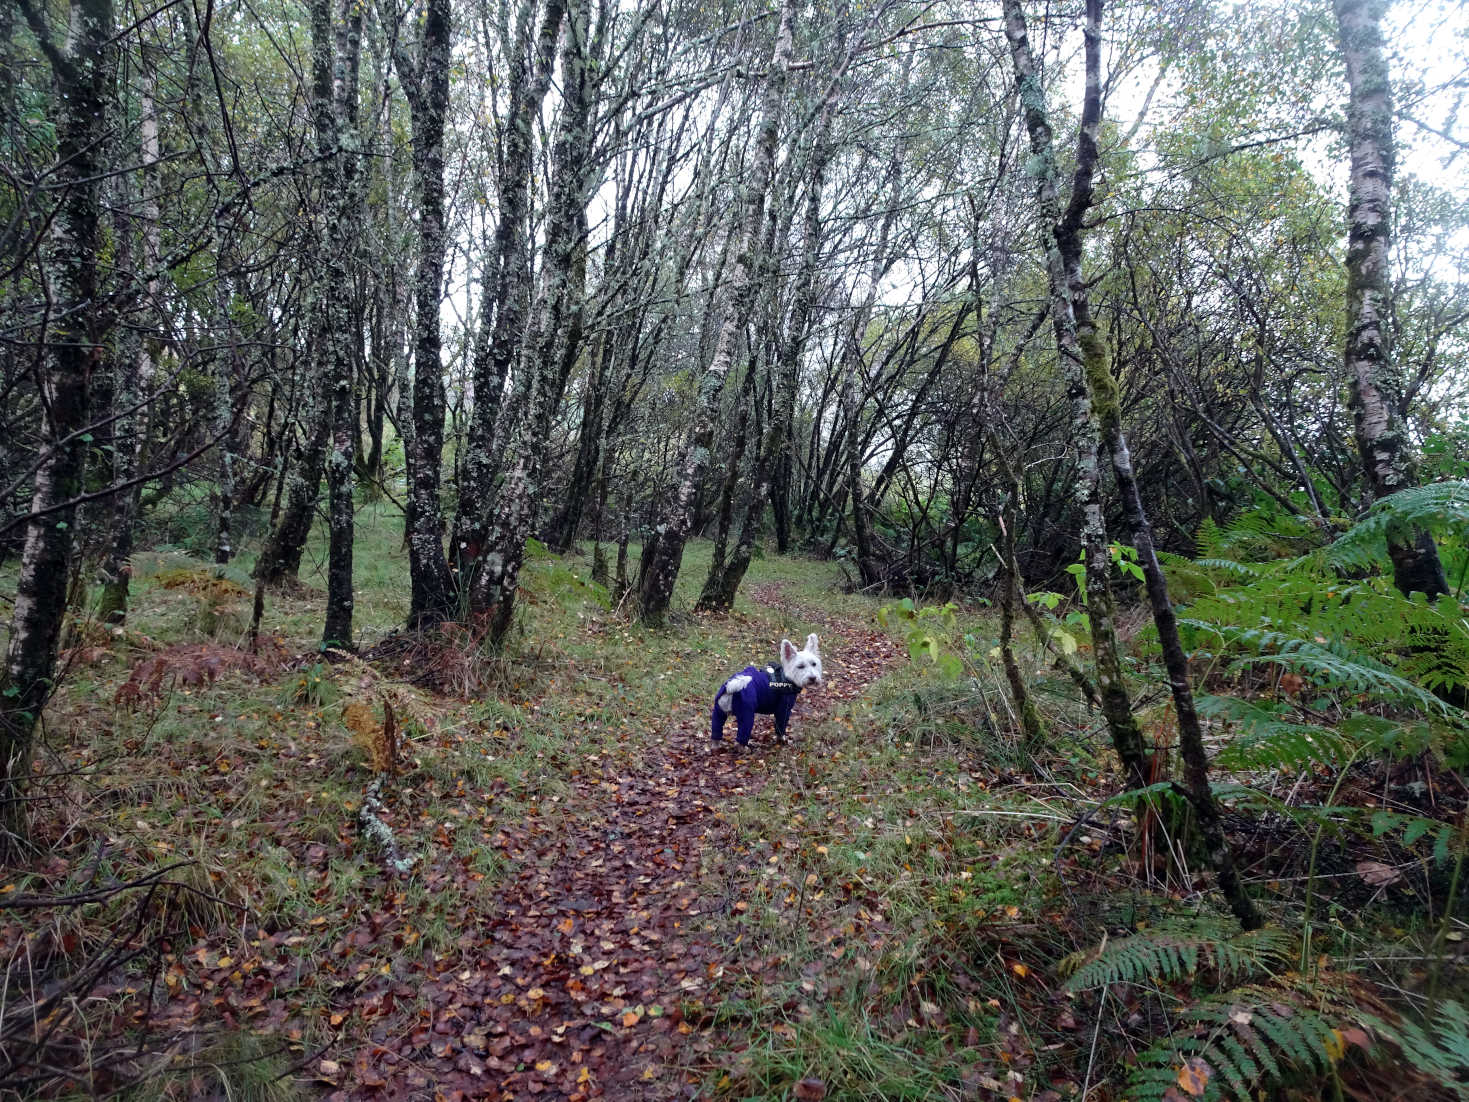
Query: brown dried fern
187,666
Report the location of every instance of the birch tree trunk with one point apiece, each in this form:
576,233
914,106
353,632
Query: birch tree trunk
1060,238
507,286
1104,397
775,451
280,559
1376,383
656,591
426,83
135,369
340,239
555,336
854,371
222,332
73,346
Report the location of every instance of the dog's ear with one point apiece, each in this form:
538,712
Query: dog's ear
813,644
787,650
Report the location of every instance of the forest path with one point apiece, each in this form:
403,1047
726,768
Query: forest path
599,965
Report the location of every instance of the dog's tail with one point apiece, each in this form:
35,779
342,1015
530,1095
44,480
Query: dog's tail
735,684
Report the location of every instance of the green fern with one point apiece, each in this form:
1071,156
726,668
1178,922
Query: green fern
1441,508
1332,664
1177,950
1241,1040
1270,740
1437,1047
1259,533
1229,566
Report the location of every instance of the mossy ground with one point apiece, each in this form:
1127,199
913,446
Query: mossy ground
890,894
246,789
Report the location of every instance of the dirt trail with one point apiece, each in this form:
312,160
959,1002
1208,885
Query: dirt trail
577,984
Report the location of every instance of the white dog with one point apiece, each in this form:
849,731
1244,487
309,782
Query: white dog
768,691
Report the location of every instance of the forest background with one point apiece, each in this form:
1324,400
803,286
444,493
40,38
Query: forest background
1145,326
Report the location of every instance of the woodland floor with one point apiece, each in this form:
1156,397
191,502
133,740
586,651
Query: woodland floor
596,970
598,906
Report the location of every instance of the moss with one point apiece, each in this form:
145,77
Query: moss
1097,365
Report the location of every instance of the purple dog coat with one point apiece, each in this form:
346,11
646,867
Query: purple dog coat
767,692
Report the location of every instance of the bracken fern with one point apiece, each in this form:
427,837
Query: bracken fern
1240,1040
1177,950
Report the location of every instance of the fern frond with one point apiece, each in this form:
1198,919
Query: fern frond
1437,1046
1333,665
1175,950
1269,740
1229,566
1438,508
1249,1037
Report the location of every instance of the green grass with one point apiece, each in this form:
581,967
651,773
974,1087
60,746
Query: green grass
856,1055
865,872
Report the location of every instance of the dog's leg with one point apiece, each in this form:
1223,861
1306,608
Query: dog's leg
724,704
782,717
744,713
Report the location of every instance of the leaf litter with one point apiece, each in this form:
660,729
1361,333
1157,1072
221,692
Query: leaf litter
592,937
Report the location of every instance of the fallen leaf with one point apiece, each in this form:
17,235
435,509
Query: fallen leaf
1194,1076
1377,874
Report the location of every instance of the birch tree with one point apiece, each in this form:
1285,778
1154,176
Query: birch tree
507,283
665,552
774,452
1376,382
1097,410
336,53
1060,239
135,368
555,333
82,70
425,79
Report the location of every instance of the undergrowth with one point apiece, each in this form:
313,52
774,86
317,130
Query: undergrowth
917,900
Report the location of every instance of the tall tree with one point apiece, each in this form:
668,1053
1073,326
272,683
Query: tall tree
1061,240
425,80
555,334
1103,396
134,366
73,346
507,286
1378,396
337,50
660,571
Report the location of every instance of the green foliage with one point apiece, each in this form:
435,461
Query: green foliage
1123,557
312,686
1437,1047
1239,1040
1349,664
1261,533
1177,950
1187,581
1440,508
923,635
1233,1039
1334,620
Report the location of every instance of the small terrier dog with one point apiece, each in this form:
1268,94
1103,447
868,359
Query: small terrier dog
767,691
